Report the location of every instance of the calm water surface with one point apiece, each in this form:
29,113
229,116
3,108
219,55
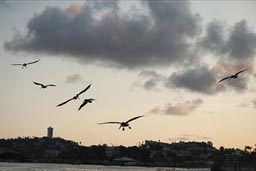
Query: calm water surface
67,167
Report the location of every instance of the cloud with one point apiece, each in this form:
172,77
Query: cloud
98,31
164,33
5,4
254,103
189,137
243,105
225,68
151,79
214,38
73,78
203,79
184,137
240,43
179,109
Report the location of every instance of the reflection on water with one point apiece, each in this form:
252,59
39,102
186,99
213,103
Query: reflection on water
68,167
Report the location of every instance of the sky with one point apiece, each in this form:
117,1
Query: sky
161,59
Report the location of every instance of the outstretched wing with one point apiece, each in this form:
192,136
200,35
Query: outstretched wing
38,84
83,104
85,89
109,123
33,62
240,71
64,102
16,64
51,85
224,79
134,118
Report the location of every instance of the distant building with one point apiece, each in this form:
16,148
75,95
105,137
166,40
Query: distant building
125,161
113,150
49,132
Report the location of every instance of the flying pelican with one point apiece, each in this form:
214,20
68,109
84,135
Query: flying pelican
76,96
85,102
233,76
123,124
24,65
44,86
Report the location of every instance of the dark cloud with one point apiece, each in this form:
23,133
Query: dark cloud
214,38
175,18
164,36
205,79
73,78
240,43
5,4
97,31
201,80
179,109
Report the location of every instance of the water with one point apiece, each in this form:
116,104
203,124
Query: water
68,167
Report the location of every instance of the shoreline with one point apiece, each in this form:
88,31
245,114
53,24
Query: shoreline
158,168
109,164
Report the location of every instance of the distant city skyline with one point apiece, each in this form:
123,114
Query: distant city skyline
162,59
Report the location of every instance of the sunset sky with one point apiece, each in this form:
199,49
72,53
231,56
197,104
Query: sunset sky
158,58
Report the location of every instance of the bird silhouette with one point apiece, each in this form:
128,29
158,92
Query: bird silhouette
76,96
44,86
24,65
123,124
85,102
233,76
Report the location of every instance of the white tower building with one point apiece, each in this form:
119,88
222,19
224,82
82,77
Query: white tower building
49,132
